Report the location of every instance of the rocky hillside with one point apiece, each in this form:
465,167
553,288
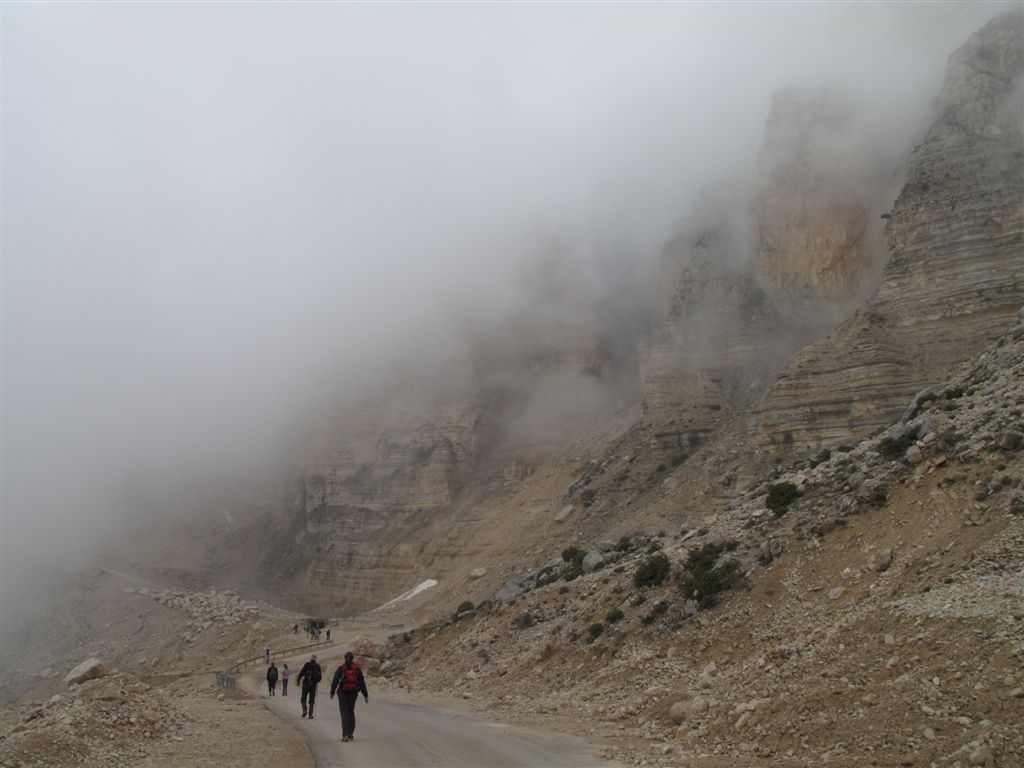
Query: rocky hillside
864,607
549,427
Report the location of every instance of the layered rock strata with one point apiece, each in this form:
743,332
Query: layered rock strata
746,284
956,273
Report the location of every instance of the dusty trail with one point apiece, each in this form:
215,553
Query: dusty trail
390,734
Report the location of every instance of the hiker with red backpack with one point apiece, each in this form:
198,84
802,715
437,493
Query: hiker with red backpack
348,682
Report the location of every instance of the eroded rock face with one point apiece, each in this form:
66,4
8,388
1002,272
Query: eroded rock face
743,286
821,186
955,278
715,326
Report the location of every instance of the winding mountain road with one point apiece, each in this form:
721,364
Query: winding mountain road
396,735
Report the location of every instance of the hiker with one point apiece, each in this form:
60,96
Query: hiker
295,629
266,656
272,677
328,634
285,674
349,683
308,678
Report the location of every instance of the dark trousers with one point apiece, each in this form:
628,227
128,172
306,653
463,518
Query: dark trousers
271,684
347,705
308,695
284,686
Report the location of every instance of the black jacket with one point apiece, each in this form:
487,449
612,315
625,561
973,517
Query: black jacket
339,674
310,674
271,674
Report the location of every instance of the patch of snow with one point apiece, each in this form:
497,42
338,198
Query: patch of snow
421,587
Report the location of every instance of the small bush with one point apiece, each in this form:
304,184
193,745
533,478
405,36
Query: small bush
573,556
703,580
894,449
465,605
678,459
588,497
658,609
524,620
652,571
594,631
625,544
563,590
614,615
780,496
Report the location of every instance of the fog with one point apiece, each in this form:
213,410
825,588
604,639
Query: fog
218,217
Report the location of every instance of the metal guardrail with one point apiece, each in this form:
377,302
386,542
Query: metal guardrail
226,679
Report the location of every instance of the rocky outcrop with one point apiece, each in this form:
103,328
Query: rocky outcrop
716,322
410,446
956,273
743,286
821,184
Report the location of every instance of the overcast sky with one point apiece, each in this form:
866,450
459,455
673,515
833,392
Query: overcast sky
213,211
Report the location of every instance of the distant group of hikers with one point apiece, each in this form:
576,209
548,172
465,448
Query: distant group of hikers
348,682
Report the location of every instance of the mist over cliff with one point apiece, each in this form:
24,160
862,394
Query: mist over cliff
221,220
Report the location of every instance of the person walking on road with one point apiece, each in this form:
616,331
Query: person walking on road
309,678
285,674
348,682
328,635
272,677
266,656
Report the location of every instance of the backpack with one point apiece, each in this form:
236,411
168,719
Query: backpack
350,678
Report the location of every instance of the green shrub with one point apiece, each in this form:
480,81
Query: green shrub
894,449
658,609
780,496
588,497
594,631
652,571
625,544
563,590
573,556
703,580
614,615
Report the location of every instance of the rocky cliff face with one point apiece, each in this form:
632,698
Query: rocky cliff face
956,273
714,326
409,446
745,284
820,188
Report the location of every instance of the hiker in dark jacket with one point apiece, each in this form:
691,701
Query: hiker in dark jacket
272,677
309,676
348,682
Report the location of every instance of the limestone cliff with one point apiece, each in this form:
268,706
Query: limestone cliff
746,283
821,184
956,273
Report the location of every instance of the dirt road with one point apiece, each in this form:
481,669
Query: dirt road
390,734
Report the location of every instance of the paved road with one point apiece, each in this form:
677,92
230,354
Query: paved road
394,735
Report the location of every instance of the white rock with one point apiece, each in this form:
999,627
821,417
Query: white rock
89,669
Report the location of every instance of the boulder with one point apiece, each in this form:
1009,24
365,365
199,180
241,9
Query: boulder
883,559
592,561
89,669
478,573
